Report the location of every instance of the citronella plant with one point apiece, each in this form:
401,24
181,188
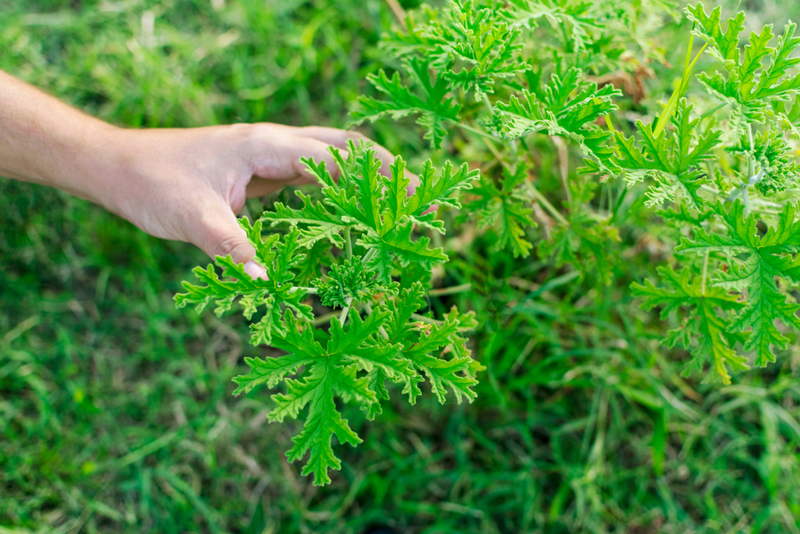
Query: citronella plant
719,169
363,227
484,70
725,178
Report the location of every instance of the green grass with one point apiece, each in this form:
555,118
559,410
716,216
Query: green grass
115,408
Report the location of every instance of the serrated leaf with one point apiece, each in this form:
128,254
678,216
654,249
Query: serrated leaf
768,257
504,209
748,84
315,220
673,158
433,108
724,44
703,333
568,109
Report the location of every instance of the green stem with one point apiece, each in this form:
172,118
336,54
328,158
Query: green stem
750,171
549,207
449,290
424,319
310,290
348,243
746,199
712,111
369,255
381,329
475,130
324,319
345,311
705,274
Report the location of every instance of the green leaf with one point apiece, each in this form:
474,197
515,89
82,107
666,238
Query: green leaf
672,158
277,255
505,209
703,333
453,374
397,243
587,242
769,257
574,20
433,108
485,48
315,221
723,45
748,84
568,109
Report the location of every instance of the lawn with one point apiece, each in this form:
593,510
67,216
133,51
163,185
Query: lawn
116,413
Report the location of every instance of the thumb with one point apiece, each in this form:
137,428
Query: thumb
221,235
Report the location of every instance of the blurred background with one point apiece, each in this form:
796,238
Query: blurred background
116,412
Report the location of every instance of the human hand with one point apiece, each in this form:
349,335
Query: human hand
189,184
185,184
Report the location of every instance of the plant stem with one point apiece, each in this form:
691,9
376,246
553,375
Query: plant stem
424,319
397,9
475,130
746,199
324,319
368,256
345,311
705,274
381,329
713,110
348,243
750,171
563,164
449,290
310,290
549,207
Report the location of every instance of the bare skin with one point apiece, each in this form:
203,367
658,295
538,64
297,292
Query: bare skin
183,184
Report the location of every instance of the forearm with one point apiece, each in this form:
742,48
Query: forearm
45,141
184,184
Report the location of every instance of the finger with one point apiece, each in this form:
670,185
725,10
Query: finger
259,187
339,139
276,155
219,234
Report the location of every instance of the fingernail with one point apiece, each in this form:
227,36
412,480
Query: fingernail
255,270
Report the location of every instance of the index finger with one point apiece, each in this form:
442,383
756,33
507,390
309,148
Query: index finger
339,139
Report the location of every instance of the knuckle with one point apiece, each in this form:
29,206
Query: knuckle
355,135
234,247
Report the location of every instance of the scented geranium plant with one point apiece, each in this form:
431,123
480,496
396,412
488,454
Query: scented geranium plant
715,167
352,250
545,97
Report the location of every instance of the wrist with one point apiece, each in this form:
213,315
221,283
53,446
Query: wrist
89,161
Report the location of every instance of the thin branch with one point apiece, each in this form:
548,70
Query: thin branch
397,9
463,288
477,131
705,274
549,207
369,255
424,319
381,329
348,243
563,161
309,290
324,319
345,311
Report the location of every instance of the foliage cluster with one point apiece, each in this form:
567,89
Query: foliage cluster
712,174
116,411
369,218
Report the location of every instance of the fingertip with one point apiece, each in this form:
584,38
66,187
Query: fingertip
413,183
255,271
